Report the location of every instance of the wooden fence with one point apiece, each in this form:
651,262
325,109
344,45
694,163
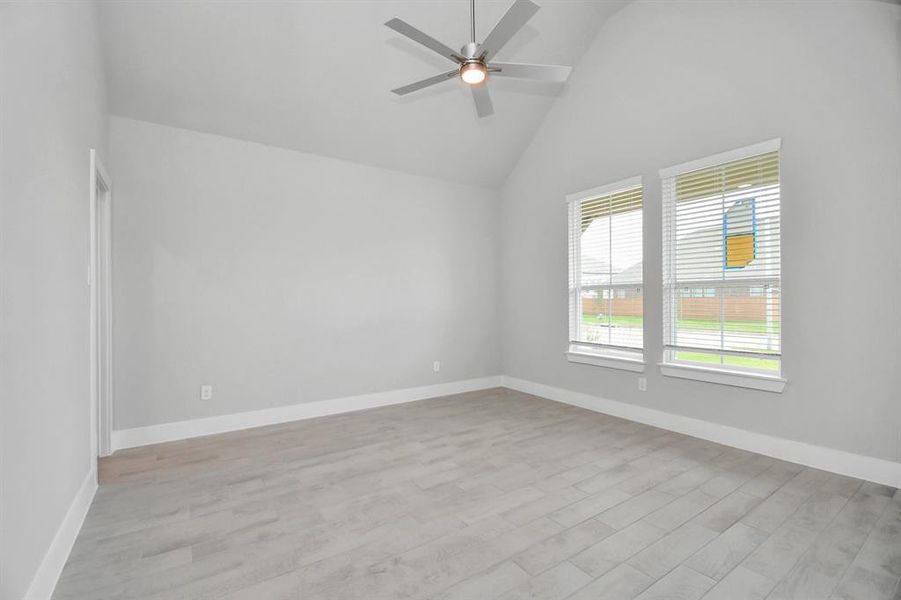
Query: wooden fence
752,308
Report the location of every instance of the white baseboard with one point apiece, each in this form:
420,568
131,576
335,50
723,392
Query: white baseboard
180,430
44,581
878,470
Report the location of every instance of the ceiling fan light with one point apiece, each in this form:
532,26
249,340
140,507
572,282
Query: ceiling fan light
473,73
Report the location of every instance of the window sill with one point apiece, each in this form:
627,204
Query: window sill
635,365
766,383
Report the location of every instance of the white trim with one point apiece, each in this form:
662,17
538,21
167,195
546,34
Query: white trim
97,166
180,430
603,190
755,381
101,415
722,157
869,468
44,581
611,362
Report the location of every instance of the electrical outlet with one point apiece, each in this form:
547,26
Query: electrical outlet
436,366
206,392
642,384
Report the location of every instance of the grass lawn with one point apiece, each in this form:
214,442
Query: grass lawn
704,325
737,361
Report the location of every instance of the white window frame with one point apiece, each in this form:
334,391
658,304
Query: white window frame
723,375
600,355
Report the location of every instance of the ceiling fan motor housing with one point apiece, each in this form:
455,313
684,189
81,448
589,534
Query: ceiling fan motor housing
471,51
473,69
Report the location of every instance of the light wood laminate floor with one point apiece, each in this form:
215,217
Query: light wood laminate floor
491,494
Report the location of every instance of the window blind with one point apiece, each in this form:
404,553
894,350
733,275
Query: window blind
605,259
722,266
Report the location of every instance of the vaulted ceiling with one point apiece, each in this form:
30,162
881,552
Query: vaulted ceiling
315,76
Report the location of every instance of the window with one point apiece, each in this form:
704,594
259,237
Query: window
721,266
605,276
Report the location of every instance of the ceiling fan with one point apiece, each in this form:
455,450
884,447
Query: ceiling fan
473,59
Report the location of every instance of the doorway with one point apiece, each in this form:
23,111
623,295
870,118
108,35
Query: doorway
100,279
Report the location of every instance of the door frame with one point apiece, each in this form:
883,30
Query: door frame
101,284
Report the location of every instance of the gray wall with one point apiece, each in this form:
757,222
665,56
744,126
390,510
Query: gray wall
667,82
52,111
281,277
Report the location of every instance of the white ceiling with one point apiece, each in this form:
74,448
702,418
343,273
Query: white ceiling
315,76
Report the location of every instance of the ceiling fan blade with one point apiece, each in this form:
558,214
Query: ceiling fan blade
556,73
425,39
518,15
484,108
401,91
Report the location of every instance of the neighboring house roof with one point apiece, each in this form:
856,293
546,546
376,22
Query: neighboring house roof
759,268
631,275
597,272
594,271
